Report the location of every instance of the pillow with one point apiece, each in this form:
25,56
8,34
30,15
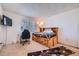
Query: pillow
48,30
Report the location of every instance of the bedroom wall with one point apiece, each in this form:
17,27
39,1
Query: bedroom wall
68,23
14,31
39,22
78,32
1,29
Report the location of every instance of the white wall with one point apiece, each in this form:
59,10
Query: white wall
1,29
68,26
0,9
15,30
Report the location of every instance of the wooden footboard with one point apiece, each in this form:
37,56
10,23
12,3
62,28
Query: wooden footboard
49,42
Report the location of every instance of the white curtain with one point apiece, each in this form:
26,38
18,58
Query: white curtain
28,24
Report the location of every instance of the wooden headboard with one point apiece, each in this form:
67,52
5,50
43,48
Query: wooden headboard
54,29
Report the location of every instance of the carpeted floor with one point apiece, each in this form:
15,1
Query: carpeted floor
19,50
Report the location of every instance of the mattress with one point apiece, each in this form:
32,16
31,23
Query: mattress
44,34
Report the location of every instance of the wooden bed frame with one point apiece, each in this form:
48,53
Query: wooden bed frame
47,42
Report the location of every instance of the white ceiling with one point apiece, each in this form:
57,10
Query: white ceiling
39,9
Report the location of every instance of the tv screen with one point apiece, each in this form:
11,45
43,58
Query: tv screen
6,21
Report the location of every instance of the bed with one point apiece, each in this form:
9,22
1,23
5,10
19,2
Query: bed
46,36
48,33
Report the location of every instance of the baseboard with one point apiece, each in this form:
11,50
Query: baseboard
68,45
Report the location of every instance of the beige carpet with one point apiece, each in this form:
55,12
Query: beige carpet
19,50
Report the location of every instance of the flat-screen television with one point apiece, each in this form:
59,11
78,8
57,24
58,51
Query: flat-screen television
6,21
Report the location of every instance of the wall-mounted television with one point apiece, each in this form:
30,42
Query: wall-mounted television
6,21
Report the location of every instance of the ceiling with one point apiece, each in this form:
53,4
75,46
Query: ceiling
39,9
